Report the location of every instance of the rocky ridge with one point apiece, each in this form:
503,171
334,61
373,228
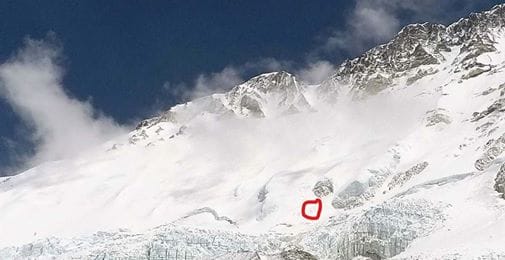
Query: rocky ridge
419,45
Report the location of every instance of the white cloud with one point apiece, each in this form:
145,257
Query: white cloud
316,72
207,84
369,22
265,65
31,82
222,81
218,82
372,22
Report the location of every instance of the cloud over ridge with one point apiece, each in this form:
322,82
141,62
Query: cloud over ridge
61,125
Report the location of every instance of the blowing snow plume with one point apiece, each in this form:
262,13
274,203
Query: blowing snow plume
61,126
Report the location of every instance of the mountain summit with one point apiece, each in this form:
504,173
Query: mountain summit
268,94
418,45
404,146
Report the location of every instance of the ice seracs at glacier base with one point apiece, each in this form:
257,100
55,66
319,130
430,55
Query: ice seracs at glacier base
403,144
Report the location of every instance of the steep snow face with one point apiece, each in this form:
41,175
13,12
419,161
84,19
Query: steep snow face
404,146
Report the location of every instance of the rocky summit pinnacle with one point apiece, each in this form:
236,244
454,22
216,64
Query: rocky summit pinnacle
268,94
417,45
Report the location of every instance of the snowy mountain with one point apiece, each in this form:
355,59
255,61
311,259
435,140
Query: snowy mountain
403,144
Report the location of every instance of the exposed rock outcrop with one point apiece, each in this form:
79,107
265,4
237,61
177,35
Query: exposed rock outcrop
419,45
495,149
497,106
435,117
499,184
323,188
402,177
296,254
268,94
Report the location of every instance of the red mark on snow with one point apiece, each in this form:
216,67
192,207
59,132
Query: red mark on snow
312,202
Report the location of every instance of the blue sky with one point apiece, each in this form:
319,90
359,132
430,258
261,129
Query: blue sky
130,59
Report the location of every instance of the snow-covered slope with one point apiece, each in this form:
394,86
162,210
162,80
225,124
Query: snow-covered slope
403,145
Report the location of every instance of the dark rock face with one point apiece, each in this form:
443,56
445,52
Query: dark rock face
494,149
476,46
406,51
496,106
402,177
416,45
252,107
477,71
323,188
420,74
499,184
296,254
279,91
262,194
435,117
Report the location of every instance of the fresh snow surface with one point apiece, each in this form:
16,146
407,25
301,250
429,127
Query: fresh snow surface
212,181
